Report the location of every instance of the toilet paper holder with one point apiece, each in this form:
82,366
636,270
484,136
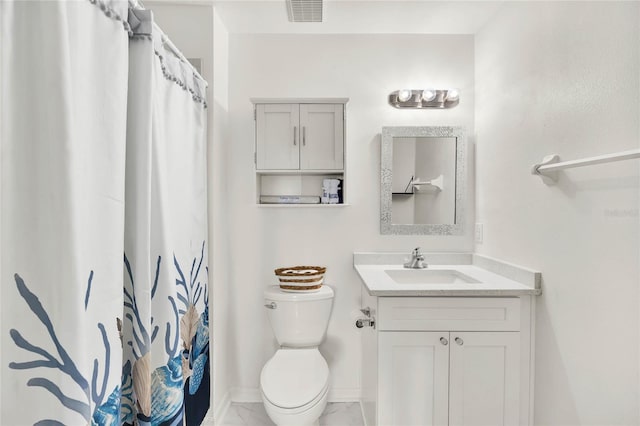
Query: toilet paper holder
369,321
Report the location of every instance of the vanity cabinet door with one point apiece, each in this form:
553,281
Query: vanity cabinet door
413,378
484,382
277,136
322,136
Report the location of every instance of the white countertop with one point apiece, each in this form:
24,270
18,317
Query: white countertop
511,281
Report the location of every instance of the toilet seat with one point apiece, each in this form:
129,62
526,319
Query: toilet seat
295,379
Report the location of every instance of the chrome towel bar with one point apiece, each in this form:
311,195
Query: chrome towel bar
548,168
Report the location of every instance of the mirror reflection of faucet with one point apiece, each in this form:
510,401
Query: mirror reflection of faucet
417,260
437,183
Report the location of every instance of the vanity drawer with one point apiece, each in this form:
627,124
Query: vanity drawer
449,313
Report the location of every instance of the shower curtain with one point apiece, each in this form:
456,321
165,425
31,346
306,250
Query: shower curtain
166,299
104,310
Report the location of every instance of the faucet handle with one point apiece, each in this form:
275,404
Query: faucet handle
416,251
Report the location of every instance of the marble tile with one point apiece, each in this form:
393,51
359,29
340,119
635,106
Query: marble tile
342,414
246,414
254,414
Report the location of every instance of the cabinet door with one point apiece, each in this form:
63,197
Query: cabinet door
413,375
322,135
485,379
277,136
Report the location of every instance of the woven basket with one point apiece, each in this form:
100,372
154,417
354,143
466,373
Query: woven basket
301,278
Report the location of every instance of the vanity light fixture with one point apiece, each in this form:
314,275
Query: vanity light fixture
404,95
425,98
453,95
428,95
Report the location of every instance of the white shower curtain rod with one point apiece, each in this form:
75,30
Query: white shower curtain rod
137,4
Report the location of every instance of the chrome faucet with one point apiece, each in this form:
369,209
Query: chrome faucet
417,260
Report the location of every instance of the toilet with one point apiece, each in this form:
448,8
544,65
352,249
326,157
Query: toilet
294,383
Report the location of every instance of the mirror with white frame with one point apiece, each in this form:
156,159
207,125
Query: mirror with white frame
422,180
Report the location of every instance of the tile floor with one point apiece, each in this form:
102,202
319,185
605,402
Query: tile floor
253,414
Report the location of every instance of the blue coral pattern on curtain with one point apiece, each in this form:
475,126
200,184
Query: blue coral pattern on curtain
98,407
183,383
195,339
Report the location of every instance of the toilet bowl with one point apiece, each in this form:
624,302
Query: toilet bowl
294,383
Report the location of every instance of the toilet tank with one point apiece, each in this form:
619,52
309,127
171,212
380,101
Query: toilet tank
299,319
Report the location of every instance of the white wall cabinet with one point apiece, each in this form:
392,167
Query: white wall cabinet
298,144
277,137
300,137
322,135
428,368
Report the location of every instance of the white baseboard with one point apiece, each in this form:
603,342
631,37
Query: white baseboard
245,395
254,395
344,395
215,416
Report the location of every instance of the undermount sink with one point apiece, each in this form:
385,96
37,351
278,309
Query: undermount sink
429,276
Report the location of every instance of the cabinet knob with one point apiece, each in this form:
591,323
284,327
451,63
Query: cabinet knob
304,135
444,341
459,341
295,132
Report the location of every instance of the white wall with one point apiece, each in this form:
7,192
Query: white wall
190,28
365,68
218,216
403,207
563,78
436,157
424,159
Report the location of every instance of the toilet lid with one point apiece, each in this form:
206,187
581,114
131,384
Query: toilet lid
294,377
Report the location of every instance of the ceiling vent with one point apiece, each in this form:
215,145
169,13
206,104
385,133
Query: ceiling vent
304,10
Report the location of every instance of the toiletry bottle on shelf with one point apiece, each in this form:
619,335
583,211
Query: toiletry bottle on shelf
333,191
325,191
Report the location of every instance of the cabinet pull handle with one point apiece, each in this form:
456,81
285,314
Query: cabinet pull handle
304,135
295,130
444,341
459,341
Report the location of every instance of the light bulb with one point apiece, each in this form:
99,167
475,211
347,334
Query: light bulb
428,95
453,94
404,95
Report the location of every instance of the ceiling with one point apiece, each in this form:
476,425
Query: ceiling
360,17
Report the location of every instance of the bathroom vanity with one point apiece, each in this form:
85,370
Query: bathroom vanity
451,344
